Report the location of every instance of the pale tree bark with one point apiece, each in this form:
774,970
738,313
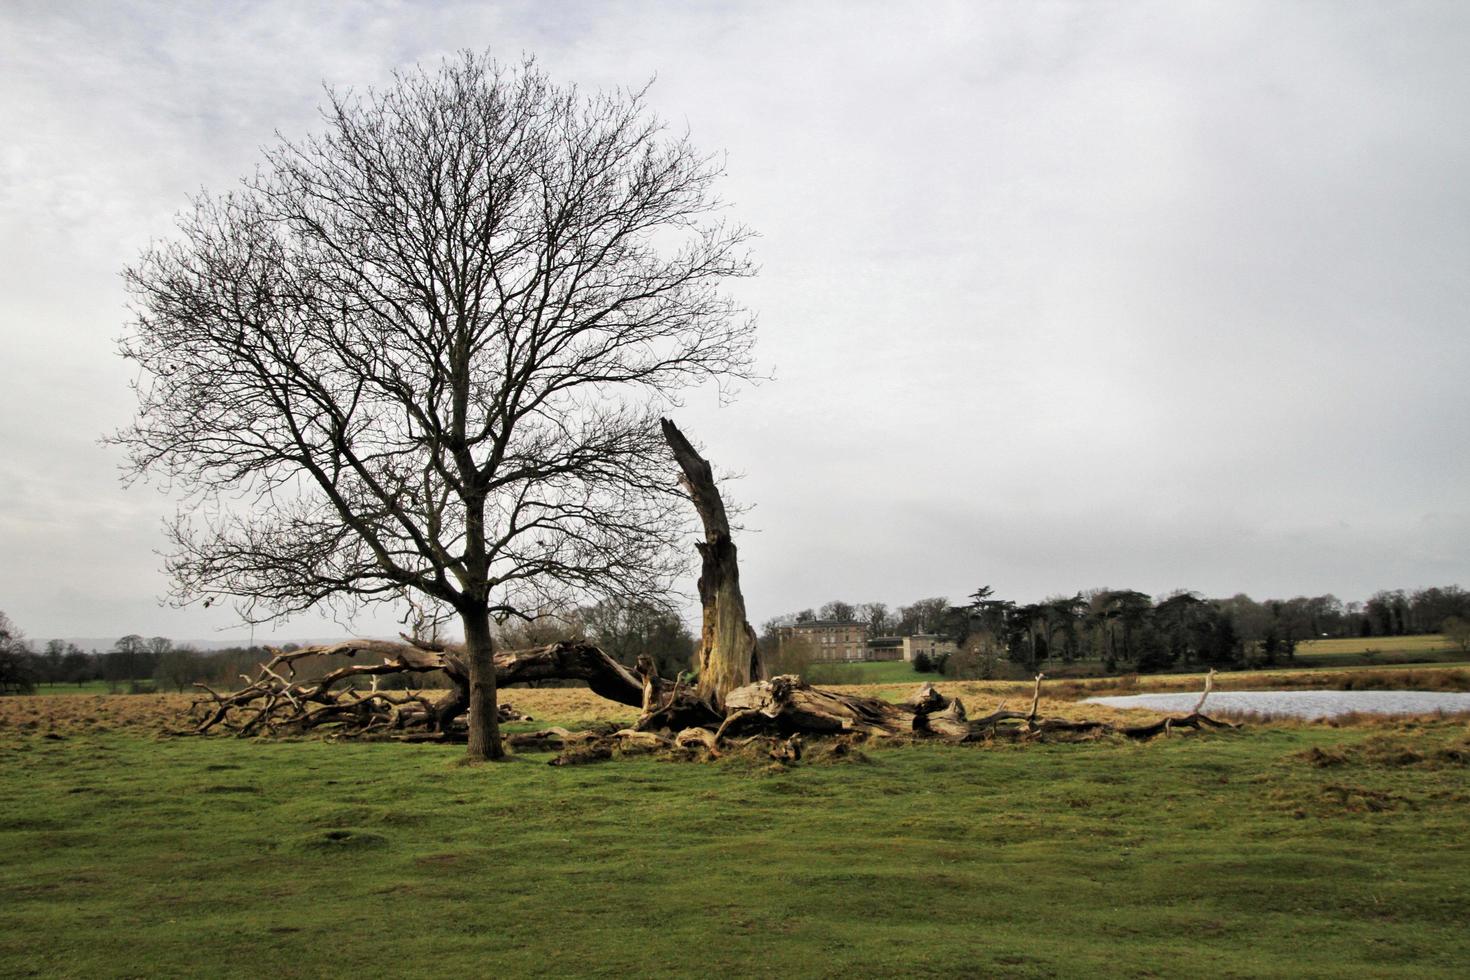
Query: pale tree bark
728,656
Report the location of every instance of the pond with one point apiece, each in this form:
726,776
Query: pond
1300,704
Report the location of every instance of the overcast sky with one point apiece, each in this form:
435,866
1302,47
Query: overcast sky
1055,296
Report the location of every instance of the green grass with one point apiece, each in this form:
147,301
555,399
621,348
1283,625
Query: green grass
1224,855
1426,643
86,687
1377,650
884,672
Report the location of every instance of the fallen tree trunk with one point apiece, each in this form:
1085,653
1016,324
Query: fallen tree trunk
283,698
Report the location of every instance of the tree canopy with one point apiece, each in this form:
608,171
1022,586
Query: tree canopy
426,350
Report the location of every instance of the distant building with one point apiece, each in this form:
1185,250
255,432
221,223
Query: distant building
847,640
930,645
829,639
885,648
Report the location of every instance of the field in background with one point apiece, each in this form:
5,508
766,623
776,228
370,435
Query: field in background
1426,643
86,687
1376,650
1216,855
879,672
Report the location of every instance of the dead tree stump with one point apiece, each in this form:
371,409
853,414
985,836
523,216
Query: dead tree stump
728,657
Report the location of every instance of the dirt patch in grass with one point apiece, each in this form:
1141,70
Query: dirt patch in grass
1388,752
1360,799
342,839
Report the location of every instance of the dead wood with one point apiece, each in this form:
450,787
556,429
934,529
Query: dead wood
290,695
1195,720
728,657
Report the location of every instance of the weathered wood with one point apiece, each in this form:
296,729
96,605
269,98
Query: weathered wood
277,700
728,656
794,706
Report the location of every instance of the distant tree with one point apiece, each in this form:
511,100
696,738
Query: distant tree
768,639
1387,612
1294,622
1428,608
52,661
980,658
1064,616
1118,616
1178,618
159,645
128,661
628,630
987,613
875,614
794,655
1326,615
1457,631
177,667
1251,623
76,666
838,610
131,644
805,616
1027,635
439,337
19,669
922,616
922,663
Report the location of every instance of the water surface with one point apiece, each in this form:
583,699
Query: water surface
1299,704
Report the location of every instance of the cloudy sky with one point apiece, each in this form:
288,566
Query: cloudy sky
1054,296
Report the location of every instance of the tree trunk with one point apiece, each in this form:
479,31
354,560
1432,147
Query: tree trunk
728,657
484,720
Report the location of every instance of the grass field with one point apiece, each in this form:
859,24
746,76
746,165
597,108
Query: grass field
888,672
1426,643
1293,850
86,687
1373,650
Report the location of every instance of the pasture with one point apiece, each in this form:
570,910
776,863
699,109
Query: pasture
1378,650
1288,850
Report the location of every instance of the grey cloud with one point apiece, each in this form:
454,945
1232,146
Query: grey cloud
1146,295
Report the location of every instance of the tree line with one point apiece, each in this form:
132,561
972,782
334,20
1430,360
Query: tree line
1128,629
1123,629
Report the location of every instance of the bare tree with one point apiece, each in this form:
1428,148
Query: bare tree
18,666
838,610
428,349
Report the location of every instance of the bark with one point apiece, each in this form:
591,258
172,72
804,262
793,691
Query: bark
728,657
791,706
484,714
